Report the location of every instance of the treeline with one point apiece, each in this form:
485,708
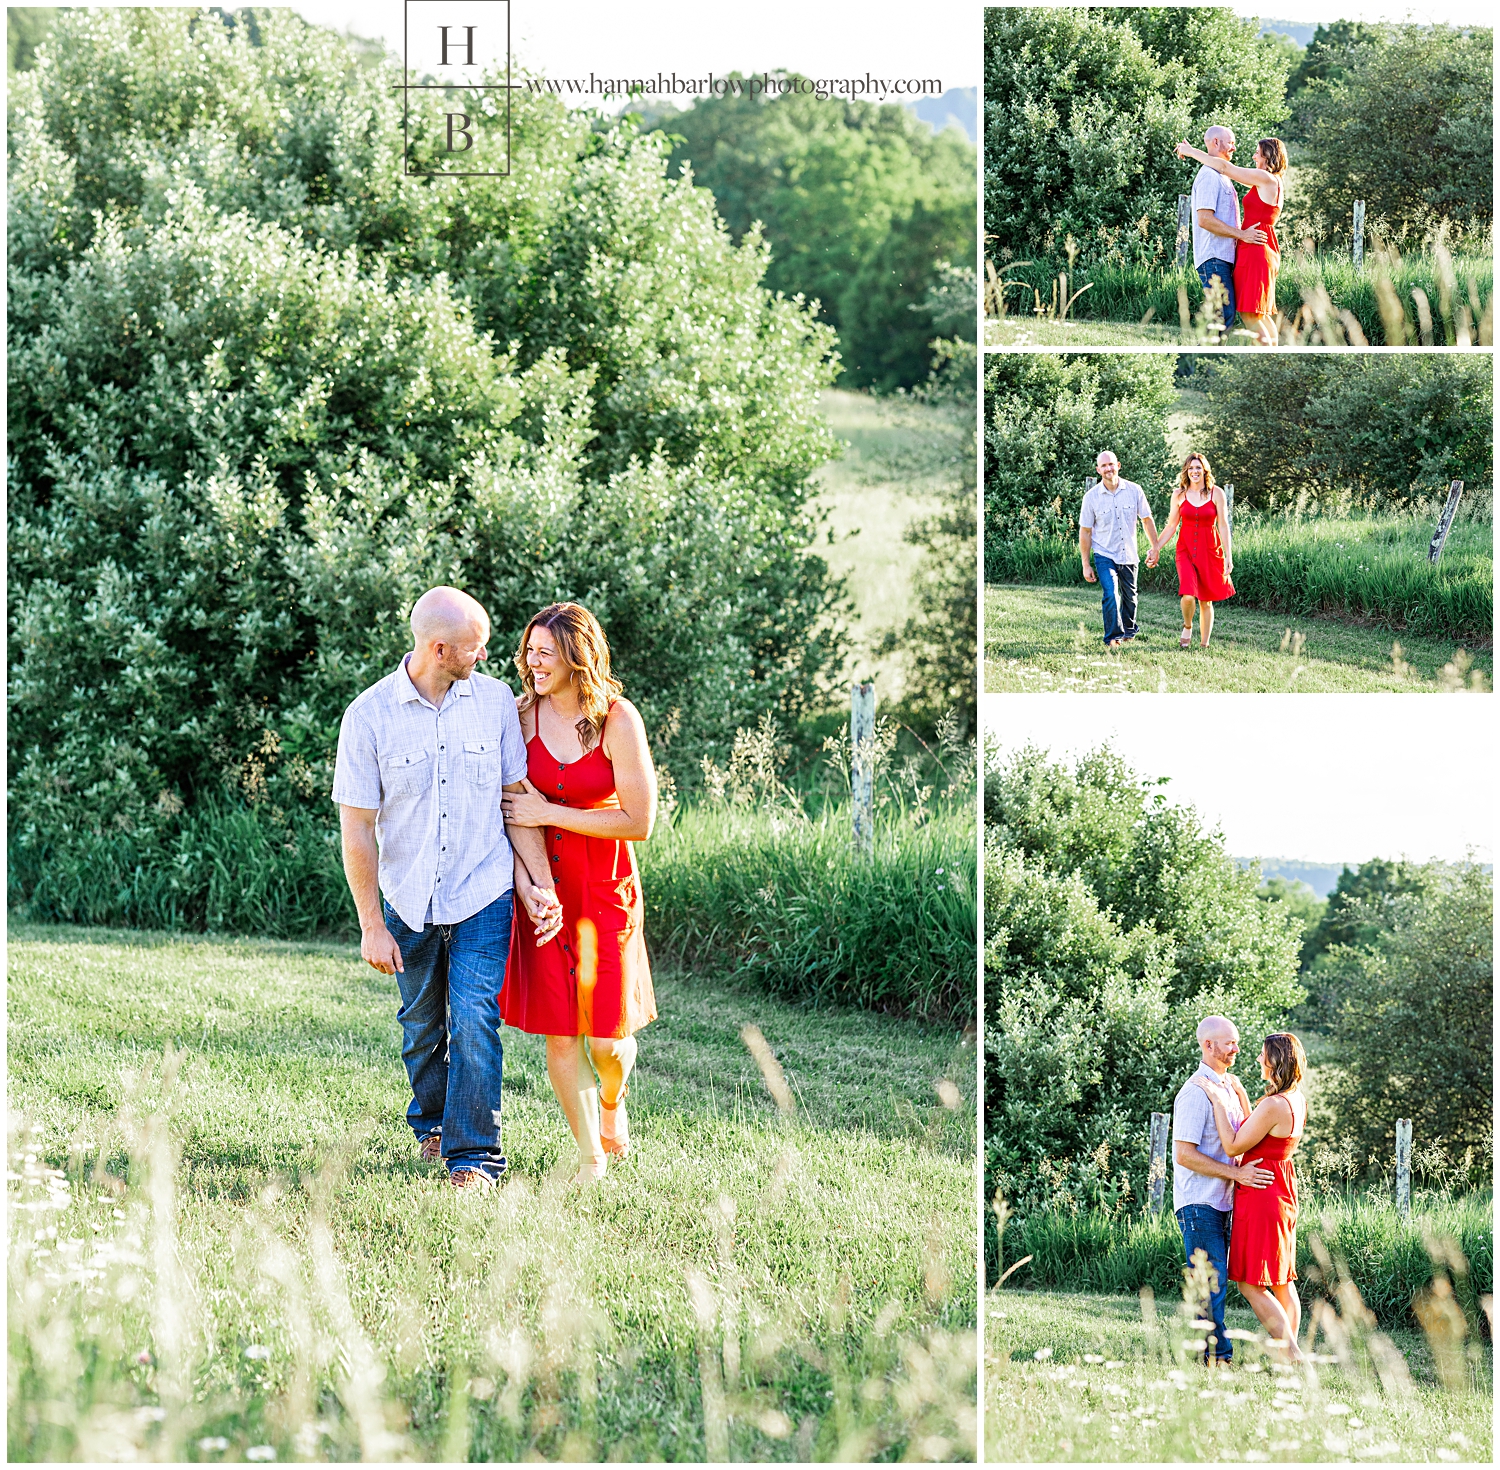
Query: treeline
1083,107
863,206
1313,431
1114,920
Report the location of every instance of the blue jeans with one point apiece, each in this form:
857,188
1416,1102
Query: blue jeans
450,1024
1207,1229
1223,271
1117,583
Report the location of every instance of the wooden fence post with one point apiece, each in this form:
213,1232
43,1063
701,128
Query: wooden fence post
1359,234
1403,1168
1184,228
1229,519
1156,1180
862,766
1445,521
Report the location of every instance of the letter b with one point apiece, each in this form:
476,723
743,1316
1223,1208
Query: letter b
463,127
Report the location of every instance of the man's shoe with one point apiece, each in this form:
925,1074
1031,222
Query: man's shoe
431,1147
471,1179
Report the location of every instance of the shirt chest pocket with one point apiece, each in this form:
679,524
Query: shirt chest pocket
482,761
406,774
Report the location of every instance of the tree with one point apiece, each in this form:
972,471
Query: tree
1083,108
1413,1030
1047,416
263,390
860,204
1377,430
1405,122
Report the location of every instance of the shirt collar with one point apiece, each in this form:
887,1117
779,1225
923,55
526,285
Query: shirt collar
406,691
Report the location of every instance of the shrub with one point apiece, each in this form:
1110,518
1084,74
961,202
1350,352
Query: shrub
264,390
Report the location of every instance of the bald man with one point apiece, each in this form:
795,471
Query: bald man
1216,224
1203,1177
423,757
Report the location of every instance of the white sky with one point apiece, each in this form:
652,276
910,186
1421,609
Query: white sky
1317,777
941,38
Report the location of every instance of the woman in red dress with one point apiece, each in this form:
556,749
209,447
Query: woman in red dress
1255,266
1263,1235
591,785
1204,557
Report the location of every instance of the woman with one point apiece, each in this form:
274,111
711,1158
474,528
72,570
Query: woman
1255,266
1263,1236
1204,557
592,786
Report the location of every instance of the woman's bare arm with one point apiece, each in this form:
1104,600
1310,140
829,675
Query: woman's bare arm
1228,169
1222,507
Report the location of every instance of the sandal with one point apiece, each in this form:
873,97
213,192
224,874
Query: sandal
614,1126
1186,638
591,1171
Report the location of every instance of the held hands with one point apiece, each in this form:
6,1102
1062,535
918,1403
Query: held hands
528,808
1154,555
543,909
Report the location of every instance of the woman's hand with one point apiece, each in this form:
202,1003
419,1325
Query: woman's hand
528,808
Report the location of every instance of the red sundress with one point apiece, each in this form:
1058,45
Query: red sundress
1200,556
593,979
1255,266
1263,1235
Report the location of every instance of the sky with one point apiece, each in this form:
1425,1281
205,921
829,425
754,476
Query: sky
1317,778
940,39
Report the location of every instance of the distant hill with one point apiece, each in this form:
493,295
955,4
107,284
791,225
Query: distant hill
1322,878
958,106
1300,33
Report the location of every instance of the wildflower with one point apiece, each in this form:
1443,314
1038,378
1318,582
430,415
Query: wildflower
1042,1354
260,1452
258,1350
212,1443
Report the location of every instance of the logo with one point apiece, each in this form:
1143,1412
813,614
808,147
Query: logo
456,86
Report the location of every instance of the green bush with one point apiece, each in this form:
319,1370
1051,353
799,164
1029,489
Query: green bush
860,203
1386,1257
1082,109
1407,125
264,390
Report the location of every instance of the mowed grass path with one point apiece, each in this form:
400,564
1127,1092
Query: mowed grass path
1050,640
1077,1377
755,1282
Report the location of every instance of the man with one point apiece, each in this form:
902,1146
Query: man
423,756
1107,544
1203,1179
1216,227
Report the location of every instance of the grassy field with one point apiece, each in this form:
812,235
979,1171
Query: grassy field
1418,300
1078,1377
870,504
224,1247
1050,639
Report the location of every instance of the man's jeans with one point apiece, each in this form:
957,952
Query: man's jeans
450,1020
1207,1229
1223,272
1117,583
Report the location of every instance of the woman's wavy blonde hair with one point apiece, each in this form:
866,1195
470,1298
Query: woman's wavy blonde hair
585,650
1208,474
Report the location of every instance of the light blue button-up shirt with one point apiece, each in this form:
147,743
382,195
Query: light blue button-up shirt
433,776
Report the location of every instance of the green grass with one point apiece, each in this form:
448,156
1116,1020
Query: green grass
1370,568
1107,1378
1313,294
208,1156
1385,1257
1050,639
785,905
1032,331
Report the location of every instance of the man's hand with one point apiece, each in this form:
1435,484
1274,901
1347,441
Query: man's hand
1152,557
1252,1176
1254,236
528,808
1088,573
544,910
378,948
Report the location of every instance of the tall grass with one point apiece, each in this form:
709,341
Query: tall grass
1430,299
1389,1260
1371,567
